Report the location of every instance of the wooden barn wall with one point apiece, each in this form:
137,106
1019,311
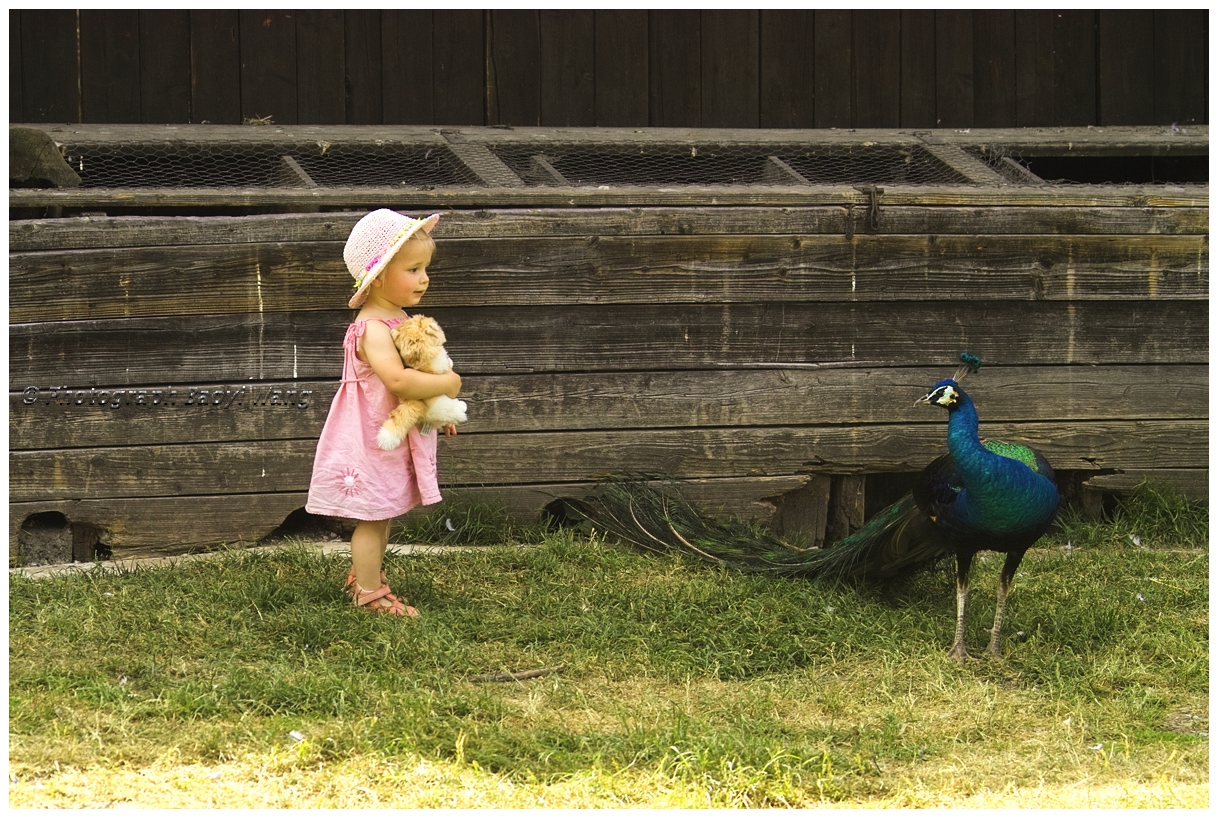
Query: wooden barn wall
732,68
170,369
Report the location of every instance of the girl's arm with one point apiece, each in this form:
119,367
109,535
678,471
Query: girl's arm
377,346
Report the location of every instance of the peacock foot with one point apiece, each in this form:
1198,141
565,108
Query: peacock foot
958,652
994,650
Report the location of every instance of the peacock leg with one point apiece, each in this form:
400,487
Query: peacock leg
1005,585
958,652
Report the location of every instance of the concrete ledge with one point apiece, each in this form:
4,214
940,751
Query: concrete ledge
325,548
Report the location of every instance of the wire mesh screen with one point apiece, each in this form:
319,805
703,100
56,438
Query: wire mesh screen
726,165
184,165
269,164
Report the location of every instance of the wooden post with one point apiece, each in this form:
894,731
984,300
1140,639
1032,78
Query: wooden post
802,512
846,507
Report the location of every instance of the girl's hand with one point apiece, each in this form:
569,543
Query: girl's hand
450,430
377,347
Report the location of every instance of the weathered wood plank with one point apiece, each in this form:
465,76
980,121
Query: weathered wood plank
486,166
954,68
1034,67
1159,140
268,65
674,69
876,67
87,232
802,512
750,498
110,65
515,458
966,164
215,64
1082,141
305,345
1075,67
531,402
1181,66
566,69
728,50
621,66
994,68
832,69
320,71
1193,483
440,198
165,86
364,30
16,96
150,526
612,270
1126,60
457,36
918,68
513,78
786,70
405,76
53,418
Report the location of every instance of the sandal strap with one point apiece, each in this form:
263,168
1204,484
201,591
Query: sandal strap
351,579
362,596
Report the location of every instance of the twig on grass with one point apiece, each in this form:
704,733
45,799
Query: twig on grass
510,676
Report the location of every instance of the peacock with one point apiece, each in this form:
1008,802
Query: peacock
979,496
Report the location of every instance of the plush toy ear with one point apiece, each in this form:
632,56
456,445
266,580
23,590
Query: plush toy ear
412,342
435,333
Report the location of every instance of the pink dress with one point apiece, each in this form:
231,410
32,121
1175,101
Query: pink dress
352,477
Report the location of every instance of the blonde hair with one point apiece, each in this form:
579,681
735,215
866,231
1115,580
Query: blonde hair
423,237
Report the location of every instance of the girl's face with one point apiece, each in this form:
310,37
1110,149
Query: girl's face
404,280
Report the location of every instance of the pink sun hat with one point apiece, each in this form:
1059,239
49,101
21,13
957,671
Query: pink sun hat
374,241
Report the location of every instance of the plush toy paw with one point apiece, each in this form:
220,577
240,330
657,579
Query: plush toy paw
446,410
388,439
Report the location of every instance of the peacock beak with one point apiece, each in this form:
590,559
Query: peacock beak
926,399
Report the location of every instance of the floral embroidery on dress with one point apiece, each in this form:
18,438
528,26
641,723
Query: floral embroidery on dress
349,482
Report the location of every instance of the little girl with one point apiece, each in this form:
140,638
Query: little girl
388,254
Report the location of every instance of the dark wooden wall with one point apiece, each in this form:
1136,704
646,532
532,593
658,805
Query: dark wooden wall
762,344
735,68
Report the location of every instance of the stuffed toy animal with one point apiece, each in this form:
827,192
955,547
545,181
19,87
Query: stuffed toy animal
420,342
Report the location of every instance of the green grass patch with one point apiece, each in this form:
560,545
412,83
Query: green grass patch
247,680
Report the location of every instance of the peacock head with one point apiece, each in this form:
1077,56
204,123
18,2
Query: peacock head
946,394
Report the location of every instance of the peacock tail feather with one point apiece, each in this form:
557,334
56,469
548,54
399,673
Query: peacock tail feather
896,541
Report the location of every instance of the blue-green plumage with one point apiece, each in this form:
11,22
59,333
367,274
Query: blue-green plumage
979,496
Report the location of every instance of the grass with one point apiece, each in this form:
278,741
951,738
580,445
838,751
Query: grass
247,681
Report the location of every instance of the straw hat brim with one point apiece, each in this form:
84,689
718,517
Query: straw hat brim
426,224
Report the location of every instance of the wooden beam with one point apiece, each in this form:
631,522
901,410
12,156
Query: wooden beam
88,233
965,164
541,402
486,166
518,458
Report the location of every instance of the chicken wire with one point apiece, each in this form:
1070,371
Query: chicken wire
245,165
425,167
580,165
185,165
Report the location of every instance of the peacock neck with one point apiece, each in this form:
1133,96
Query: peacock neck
963,441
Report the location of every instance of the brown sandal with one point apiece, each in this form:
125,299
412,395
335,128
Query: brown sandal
363,598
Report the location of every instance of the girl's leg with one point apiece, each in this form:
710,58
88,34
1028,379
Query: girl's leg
368,544
368,551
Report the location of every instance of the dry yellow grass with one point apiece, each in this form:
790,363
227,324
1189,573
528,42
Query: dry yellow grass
275,780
